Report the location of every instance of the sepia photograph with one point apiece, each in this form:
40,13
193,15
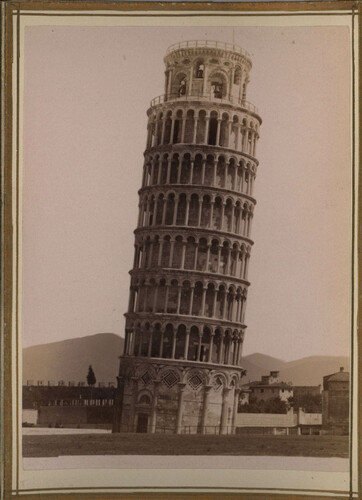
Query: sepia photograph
185,209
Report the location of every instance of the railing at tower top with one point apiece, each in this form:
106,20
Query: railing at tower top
161,99
209,44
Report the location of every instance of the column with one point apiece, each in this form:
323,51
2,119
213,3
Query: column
212,203
218,131
203,301
156,133
187,210
160,253
152,172
230,129
221,349
169,83
192,163
224,411
205,408
214,305
207,129
178,299
199,348
156,384
163,130
191,299
205,79
164,211
190,81
237,136
154,306
187,340
211,347
231,83
173,345
159,172
219,247
172,130
180,405
169,161
207,257
235,409
222,216
149,344
161,343
227,266
195,130
154,212
175,209
184,243
203,171
215,172
247,266
200,213
183,129
166,297
225,305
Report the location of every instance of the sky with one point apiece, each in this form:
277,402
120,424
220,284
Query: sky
86,93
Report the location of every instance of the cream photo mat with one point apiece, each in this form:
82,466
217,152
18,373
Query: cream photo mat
126,480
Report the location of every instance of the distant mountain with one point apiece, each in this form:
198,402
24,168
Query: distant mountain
304,371
68,360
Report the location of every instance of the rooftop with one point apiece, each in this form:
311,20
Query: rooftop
208,44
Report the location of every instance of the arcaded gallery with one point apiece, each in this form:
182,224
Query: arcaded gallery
182,363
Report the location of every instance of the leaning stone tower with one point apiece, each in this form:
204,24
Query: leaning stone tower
182,363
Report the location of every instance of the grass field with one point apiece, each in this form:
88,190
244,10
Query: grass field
170,444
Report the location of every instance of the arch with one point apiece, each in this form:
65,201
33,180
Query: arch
218,83
190,253
180,342
189,126
205,211
209,171
199,68
201,255
185,298
185,169
201,127
181,210
172,297
177,252
194,341
156,341
213,126
209,300
197,299
167,341
194,210
197,171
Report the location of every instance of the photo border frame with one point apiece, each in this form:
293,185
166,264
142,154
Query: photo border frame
9,213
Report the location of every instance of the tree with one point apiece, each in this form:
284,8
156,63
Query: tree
91,378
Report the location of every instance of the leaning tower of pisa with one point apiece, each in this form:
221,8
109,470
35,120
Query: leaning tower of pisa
182,363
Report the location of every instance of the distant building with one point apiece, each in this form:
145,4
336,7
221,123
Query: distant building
269,387
67,404
335,401
306,390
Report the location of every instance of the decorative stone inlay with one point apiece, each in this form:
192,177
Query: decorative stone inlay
217,383
170,378
146,378
195,381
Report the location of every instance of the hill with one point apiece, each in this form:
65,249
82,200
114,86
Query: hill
68,360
